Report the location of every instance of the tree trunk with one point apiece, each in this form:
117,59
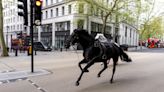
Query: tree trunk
104,24
3,46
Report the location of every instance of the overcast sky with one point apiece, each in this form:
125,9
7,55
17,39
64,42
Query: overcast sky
159,7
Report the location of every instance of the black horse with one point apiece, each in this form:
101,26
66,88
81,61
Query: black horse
95,51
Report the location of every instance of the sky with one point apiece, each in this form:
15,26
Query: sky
159,7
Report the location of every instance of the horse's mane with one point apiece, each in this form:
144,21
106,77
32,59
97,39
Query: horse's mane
84,32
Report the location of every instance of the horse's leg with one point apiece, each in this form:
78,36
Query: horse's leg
91,62
124,56
85,70
115,60
105,66
77,82
82,62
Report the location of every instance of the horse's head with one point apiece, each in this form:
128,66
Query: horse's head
73,38
79,36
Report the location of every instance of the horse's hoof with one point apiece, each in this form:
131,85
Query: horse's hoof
111,81
98,76
77,83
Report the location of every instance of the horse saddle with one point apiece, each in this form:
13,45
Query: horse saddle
103,47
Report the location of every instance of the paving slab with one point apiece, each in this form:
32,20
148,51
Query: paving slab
21,74
20,86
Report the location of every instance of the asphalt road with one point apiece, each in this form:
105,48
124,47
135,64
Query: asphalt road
144,74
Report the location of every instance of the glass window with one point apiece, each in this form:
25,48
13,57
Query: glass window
17,27
62,26
81,8
69,9
46,14
80,23
51,13
57,12
51,1
63,10
130,33
46,2
126,31
14,27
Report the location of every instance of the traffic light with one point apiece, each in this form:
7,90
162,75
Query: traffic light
23,10
38,12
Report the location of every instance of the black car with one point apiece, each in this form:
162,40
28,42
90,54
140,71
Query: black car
39,46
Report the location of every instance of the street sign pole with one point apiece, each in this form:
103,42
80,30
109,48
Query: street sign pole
31,34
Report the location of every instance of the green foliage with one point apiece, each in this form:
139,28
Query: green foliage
132,11
153,28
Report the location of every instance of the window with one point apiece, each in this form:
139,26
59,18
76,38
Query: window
108,29
126,31
69,9
62,26
17,27
51,1
81,8
42,15
80,23
14,27
57,12
63,10
21,27
14,19
46,2
130,33
46,14
51,13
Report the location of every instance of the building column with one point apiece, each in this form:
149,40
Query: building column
39,33
53,34
72,26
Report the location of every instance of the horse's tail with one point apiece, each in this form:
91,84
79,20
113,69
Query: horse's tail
124,56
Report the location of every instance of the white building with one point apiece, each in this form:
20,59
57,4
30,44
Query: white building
59,19
128,34
13,24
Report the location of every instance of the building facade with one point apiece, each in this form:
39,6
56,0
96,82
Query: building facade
13,24
60,18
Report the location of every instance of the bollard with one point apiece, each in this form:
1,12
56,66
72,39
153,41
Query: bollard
61,49
28,53
16,52
35,52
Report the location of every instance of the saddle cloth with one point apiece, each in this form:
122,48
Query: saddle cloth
104,43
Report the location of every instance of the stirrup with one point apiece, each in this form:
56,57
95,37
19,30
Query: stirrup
104,57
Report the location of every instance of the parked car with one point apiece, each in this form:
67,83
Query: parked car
39,46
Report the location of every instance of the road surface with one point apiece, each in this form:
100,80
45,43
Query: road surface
144,74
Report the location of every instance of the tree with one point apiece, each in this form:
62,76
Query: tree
145,16
3,46
153,28
114,10
104,9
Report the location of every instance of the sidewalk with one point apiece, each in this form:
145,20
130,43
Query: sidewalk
139,48
62,68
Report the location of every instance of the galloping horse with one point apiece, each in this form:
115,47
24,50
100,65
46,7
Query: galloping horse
95,51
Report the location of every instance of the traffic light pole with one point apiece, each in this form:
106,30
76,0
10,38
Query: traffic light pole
31,34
